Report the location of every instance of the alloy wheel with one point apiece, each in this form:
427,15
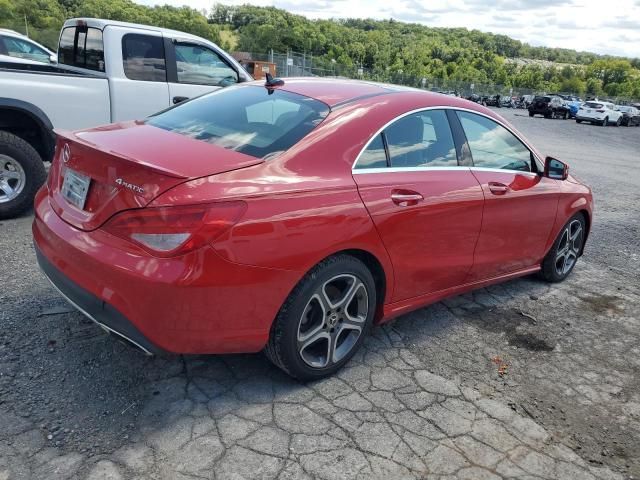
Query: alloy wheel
332,321
12,178
569,247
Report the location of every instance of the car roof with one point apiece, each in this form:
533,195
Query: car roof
337,91
11,33
102,23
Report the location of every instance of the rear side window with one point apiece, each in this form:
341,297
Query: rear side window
593,105
492,145
374,156
82,47
421,140
143,58
249,119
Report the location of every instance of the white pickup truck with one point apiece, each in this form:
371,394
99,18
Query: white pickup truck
107,72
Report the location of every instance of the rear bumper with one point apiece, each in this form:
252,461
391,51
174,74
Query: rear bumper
589,119
196,303
95,309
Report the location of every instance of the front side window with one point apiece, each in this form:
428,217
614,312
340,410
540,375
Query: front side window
492,145
143,58
201,65
421,140
18,48
82,47
250,120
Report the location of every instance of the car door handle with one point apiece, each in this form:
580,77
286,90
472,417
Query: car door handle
179,99
498,188
406,198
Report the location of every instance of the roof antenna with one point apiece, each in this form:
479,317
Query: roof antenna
273,82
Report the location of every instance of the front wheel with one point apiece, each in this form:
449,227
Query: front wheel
578,121
618,122
21,175
605,122
531,114
324,320
564,253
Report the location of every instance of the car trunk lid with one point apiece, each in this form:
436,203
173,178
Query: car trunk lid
126,166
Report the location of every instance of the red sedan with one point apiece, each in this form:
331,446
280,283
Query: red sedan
292,217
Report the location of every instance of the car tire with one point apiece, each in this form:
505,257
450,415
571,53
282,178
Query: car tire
324,320
531,114
565,116
563,255
578,121
605,122
618,122
22,173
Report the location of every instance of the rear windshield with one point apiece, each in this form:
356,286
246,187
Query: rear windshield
248,119
593,105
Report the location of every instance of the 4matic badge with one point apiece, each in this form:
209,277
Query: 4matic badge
130,186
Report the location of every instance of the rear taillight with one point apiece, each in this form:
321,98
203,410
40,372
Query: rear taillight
171,231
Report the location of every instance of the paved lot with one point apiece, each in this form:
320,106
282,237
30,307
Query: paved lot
521,380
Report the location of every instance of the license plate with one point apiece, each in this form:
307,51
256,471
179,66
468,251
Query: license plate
75,188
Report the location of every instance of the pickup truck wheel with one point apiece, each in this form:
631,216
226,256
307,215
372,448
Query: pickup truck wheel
22,173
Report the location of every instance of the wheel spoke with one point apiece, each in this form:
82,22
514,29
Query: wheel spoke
11,175
344,293
317,321
6,188
321,356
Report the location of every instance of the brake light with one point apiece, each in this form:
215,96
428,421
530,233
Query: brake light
171,231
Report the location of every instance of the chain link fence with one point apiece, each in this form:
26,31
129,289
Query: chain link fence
296,64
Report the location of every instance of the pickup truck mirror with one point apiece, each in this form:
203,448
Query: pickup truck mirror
555,169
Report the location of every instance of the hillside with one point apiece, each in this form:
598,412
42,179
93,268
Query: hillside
386,50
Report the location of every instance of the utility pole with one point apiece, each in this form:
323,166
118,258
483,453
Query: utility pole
26,25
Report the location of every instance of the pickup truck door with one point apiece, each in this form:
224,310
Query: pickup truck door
136,67
195,68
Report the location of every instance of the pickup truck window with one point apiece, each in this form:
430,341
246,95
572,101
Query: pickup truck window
143,58
200,65
81,47
251,120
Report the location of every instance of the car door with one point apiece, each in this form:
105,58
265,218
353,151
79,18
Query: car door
137,73
426,207
520,204
197,69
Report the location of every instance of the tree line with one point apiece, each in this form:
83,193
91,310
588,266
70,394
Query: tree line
382,47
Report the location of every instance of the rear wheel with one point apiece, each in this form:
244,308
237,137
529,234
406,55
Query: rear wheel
619,121
22,173
531,114
565,116
578,121
605,122
324,320
564,253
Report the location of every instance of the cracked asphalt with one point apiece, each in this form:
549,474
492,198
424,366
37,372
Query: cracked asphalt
520,380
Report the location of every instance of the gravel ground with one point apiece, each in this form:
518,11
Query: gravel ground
520,380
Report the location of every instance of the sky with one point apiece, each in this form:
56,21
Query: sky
601,26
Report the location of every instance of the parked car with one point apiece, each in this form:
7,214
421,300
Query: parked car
213,228
574,106
549,106
16,47
600,113
126,71
630,116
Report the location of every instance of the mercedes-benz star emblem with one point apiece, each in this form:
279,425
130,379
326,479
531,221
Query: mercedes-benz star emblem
66,153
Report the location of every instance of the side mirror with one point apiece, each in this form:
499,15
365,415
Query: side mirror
53,58
555,169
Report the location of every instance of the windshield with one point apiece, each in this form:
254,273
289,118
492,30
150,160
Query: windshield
248,119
